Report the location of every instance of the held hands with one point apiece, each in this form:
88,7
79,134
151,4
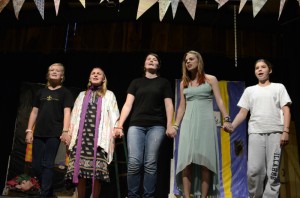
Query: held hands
29,137
171,131
65,138
118,132
227,126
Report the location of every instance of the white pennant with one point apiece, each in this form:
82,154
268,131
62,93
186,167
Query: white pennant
191,6
221,2
144,5
40,4
257,5
163,7
174,4
242,4
82,3
17,6
56,5
282,2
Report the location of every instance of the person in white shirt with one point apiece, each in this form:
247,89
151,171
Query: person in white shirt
268,130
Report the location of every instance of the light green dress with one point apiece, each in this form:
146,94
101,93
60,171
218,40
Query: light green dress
198,141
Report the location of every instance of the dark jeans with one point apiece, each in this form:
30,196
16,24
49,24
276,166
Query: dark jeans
43,155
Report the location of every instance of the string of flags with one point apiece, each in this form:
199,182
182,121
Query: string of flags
144,5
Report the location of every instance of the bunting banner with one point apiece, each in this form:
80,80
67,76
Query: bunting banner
282,2
174,4
82,3
221,3
257,6
242,4
163,7
17,4
144,5
56,5
3,3
191,6
232,148
41,6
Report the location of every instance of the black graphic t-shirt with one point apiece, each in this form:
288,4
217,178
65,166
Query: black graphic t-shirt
51,104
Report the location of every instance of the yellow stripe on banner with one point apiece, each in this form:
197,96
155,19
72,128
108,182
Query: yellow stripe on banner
225,146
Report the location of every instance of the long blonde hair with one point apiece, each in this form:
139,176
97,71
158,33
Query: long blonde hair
186,75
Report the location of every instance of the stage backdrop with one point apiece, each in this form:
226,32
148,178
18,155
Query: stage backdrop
232,148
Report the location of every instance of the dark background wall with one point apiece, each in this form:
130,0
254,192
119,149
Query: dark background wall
112,38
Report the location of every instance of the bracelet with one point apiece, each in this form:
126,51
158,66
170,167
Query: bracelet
118,128
175,127
286,132
227,119
28,130
65,131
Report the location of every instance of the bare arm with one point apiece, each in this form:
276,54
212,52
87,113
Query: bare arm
180,112
181,108
126,109
286,118
286,125
213,81
67,117
169,112
65,137
31,122
118,132
239,118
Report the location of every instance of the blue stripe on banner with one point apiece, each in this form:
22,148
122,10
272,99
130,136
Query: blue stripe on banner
238,143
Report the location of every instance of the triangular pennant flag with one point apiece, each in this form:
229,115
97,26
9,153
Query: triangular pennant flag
17,6
257,5
40,4
82,3
174,4
163,7
3,3
144,5
191,6
282,2
101,1
242,4
120,1
221,2
56,5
